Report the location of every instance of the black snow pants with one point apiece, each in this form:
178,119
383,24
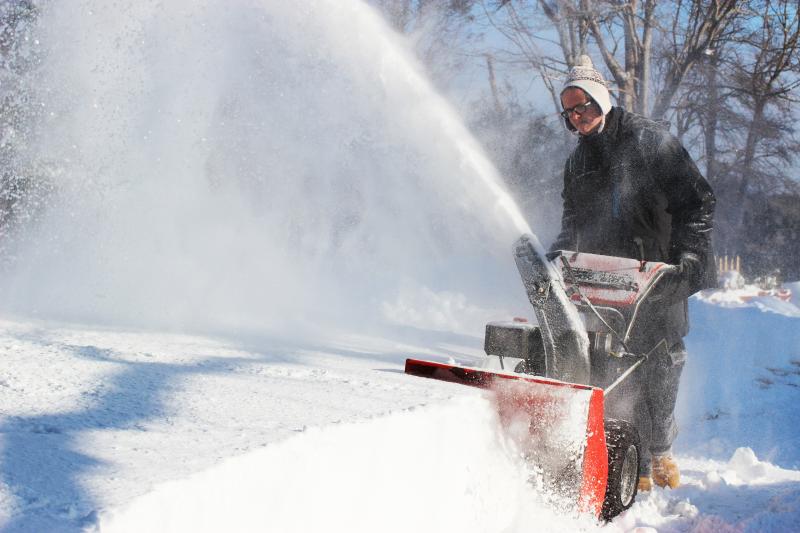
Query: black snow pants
647,400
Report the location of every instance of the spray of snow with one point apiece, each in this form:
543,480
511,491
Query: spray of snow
548,425
249,164
422,307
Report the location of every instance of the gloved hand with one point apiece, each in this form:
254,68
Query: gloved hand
680,283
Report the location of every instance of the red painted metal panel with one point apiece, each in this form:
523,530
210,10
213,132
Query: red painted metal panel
475,376
639,274
595,458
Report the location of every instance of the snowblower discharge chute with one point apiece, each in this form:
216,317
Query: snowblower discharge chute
549,380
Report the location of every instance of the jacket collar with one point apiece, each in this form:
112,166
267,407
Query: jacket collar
609,131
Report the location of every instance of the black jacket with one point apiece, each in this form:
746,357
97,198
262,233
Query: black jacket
633,191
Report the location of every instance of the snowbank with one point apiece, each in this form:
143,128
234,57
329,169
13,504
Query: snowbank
744,468
438,468
741,383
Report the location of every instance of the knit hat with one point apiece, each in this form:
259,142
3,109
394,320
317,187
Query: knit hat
584,76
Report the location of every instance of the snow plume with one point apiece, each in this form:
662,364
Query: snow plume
430,469
421,307
249,164
548,425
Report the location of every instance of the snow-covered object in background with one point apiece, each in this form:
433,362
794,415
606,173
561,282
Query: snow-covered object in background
779,299
781,293
731,280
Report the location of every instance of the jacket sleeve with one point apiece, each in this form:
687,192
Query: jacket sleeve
690,202
567,238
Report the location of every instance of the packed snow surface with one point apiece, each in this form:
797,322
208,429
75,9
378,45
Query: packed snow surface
123,430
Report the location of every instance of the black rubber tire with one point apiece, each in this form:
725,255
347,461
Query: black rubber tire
624,458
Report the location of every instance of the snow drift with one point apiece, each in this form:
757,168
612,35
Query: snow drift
440,468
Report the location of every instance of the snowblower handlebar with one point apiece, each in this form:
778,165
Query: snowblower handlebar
617,282
606,280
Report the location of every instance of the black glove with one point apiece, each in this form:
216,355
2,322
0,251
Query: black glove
680,283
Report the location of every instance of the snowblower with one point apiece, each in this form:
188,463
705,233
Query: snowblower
550,380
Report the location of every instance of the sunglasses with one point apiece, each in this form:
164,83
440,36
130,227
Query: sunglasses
580,109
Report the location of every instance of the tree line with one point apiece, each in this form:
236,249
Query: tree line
724,74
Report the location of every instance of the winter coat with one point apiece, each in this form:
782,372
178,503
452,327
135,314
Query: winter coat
633,191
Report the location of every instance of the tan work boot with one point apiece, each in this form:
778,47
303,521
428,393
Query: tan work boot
645,484
665,472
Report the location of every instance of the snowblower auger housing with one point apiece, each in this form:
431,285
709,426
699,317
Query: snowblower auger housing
550,379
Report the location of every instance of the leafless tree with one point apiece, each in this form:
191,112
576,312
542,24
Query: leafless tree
546,37
694,27
764,78
624,33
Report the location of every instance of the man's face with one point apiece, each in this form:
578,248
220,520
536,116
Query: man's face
585,122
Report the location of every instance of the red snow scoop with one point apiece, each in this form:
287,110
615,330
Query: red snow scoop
549,381
558,425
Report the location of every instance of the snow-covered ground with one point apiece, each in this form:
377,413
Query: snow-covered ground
143,431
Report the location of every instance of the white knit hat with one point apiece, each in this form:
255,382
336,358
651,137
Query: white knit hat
584,76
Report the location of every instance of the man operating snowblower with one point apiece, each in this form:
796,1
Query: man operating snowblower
631,190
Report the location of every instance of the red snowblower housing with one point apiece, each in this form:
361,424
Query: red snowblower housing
549,380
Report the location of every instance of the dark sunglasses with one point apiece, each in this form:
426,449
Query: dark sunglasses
580,109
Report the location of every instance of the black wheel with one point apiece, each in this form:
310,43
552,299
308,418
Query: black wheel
622,440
